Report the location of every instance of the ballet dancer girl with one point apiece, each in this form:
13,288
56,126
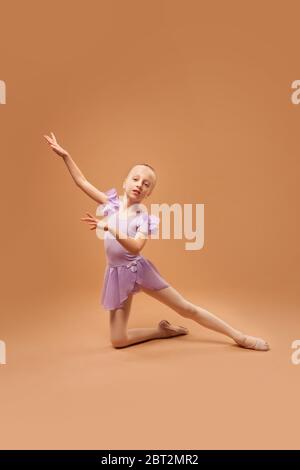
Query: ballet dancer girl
126,229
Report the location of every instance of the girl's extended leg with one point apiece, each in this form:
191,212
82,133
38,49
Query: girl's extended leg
122,337
172,298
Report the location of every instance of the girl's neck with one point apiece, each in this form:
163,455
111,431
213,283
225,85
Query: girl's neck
126,205
127,202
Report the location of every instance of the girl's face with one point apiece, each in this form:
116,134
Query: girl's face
139,183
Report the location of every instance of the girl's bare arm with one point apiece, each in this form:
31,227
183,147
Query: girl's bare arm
75,172
134,245
83,183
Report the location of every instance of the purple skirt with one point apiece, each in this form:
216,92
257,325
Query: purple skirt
122,280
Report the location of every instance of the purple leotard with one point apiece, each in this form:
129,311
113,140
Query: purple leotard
126,272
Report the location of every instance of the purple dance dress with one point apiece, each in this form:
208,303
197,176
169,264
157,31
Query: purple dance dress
126,272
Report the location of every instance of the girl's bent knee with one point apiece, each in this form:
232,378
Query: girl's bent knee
119,343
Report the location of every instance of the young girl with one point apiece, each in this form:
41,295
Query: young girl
126,229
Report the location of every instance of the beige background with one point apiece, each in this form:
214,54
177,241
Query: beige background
201,91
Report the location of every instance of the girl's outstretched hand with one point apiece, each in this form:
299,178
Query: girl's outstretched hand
54,145
94,223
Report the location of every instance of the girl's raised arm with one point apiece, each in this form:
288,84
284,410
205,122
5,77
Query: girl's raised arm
76,174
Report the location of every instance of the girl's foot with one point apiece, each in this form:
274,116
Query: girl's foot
171,330
252,342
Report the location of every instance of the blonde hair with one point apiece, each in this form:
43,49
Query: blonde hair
147,164
144,164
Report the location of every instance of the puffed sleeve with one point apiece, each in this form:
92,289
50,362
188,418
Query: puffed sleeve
147,224
111,206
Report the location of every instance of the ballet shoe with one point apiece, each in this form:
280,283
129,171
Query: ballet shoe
252,342
172,330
